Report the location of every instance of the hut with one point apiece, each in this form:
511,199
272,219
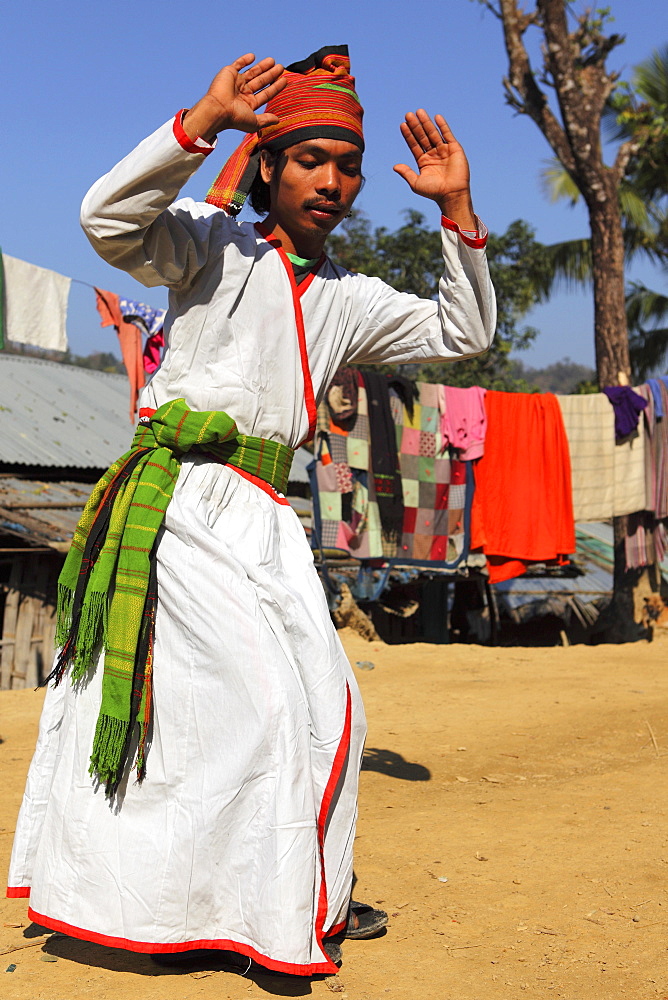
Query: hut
61,426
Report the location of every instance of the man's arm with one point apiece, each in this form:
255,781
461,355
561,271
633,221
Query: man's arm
443,171
401,328
396,327
128,214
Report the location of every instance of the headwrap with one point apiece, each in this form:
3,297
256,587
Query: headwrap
318,102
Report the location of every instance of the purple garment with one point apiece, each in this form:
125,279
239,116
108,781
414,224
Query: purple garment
628,406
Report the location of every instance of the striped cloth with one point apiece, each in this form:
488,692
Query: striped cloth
318,102
107,591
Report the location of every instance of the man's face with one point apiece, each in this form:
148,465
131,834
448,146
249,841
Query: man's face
313,185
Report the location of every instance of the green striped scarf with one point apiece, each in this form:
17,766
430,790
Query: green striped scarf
107,591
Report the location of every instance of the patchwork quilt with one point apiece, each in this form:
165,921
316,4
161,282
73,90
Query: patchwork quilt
437,488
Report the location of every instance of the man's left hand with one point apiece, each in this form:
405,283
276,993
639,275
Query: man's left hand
443,170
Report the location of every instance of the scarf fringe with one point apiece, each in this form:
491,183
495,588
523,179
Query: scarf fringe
64,604
90,632
108,745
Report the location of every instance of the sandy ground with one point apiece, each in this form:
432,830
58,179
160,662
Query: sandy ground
512,821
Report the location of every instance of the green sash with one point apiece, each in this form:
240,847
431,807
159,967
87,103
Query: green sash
107,591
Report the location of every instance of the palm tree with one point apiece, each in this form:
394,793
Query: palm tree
637,112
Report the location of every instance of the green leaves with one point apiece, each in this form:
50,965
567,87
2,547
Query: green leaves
410,260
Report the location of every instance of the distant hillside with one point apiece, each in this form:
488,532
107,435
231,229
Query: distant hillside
101,361
563,376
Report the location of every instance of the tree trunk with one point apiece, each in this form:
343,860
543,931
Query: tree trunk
610,329
612,360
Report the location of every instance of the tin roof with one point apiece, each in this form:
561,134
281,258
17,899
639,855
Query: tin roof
61,416
40,513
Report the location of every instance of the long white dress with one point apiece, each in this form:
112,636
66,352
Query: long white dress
241,835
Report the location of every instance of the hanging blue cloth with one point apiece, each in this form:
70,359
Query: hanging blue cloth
653,383
146,317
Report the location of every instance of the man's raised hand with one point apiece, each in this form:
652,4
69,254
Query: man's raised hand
442,168
234,96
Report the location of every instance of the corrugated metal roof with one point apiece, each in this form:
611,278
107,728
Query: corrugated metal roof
57,415
63,416
41,513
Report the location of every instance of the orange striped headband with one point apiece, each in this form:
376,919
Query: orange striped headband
318,102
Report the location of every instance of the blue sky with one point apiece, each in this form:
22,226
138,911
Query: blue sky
83,82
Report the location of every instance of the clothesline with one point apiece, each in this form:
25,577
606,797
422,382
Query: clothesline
33,310
540,463
34,302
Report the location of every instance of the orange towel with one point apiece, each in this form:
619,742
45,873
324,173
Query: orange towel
130,341
523,506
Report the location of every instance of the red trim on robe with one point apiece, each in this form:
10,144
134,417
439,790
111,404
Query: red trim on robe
297,292
260,483
337,768
18,892
224,944
150,948
475,242
184,139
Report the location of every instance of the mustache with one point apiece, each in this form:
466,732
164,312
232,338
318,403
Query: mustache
323,203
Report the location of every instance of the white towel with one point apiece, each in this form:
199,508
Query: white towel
608,479
36,305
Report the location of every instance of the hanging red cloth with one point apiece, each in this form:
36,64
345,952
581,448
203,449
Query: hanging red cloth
130,342
523,504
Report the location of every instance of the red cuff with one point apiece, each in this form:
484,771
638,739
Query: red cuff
475,242
18,892
190,145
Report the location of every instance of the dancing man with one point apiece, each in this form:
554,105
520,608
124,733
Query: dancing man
195,642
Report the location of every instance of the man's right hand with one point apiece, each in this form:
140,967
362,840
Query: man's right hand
234,97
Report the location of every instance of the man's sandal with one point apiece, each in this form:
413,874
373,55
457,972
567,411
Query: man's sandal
333,949
370,922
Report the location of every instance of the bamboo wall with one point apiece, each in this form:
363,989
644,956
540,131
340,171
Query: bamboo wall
29,622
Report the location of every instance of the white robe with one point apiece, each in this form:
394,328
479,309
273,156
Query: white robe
241,835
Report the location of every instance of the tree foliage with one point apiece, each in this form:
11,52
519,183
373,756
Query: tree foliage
566,93
410,260
638,113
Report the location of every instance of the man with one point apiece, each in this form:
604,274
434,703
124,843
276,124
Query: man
190,566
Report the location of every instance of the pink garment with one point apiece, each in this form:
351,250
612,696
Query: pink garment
464,421
153,352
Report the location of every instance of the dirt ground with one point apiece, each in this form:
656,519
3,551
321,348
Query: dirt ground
512,822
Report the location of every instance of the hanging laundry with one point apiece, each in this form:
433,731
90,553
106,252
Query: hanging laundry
152,355
342,397
656,435
149,319
436,489
344,503
655,387
523,507
406,390
35,305
384,460
464,420
608,478
129,337
150,322
628,406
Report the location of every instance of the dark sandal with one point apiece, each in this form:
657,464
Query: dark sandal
333,950
370,921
